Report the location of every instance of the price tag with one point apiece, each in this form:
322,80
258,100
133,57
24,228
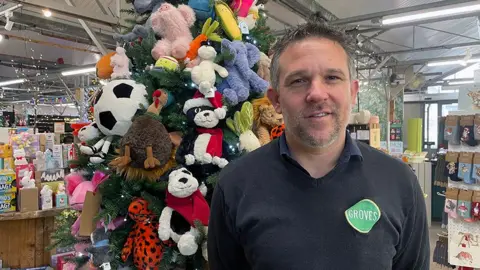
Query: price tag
244,28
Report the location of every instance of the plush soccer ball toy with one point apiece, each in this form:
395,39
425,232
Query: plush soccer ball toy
116,104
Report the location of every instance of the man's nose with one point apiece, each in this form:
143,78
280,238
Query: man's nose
318,91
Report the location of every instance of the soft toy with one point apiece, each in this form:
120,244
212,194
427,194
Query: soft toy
242,125
120,64
50,162
265,119
100,251
185,205
205,144
77,188
140,31
264,67
104,68
146,150
241,78
208,33
173,24
228,21
277,131
143,242
115,106
203,75
241,7
203,9
20,157
27,180
46,197
251,19
88,133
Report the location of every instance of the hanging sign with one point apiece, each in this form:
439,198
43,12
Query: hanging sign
59,127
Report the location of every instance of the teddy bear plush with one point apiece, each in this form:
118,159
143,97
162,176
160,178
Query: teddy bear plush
241,78
265,119
173,24
185,205
203,75
120,64
204,145
264,67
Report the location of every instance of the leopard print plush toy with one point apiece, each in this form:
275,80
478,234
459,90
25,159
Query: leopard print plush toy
143,242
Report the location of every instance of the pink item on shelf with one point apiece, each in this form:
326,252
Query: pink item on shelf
374,119
241,7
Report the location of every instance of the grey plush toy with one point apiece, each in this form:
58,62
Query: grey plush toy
100,249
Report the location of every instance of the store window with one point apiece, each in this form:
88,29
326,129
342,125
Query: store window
430,125
446,108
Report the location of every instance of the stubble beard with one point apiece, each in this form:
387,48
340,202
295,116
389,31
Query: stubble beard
298,127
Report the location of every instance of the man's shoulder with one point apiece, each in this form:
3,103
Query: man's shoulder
249,165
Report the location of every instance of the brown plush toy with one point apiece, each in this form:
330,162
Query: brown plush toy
264,67
147,150
265,119
104,69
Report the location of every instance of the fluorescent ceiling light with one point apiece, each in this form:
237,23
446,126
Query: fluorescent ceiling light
5,83
79,71
47,13
425,15
453,62
461,82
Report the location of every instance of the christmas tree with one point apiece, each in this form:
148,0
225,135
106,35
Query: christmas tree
183,80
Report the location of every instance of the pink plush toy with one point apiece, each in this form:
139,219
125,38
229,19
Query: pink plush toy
173,25
77,188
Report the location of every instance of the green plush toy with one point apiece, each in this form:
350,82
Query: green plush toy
242,125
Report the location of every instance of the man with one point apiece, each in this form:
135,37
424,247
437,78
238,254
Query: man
315,198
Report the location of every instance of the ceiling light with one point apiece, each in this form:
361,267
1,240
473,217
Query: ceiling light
47,13
434,13
79,71
453,62
5,83
461,82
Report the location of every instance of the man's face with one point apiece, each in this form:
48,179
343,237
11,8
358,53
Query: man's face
315,92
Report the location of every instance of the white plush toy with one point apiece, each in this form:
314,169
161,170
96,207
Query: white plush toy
27,181
203,75
120,64
185,199
46,197
253,15
19,156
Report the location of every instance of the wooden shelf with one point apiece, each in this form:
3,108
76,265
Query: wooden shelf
31,215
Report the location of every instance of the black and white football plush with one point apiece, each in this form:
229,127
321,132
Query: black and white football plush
116,104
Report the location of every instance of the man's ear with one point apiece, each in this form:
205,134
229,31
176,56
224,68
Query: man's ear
274,98
354,88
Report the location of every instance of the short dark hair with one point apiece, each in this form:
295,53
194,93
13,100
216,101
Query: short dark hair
317,27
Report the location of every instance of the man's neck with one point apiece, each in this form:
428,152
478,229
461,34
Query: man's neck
317,161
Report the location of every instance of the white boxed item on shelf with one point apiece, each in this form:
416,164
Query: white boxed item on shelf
58,155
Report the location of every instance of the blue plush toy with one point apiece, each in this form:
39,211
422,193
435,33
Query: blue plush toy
241,78
141,7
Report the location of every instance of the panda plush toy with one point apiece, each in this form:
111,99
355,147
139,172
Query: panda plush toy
203,146
185,205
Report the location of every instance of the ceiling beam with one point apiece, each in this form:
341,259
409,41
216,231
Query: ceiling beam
433,48
378,15
446,74
74,12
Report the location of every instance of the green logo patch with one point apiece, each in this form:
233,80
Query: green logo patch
363,215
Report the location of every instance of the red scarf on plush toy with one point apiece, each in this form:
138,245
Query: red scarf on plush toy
193,207
215,144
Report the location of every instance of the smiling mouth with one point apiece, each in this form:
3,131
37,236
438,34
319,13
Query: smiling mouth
318,115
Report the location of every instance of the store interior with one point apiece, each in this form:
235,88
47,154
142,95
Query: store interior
417,62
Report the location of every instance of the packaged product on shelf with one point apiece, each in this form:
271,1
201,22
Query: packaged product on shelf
465,167
467,134
477,127
61,199
451,166
476,169
8,184
452,126
20,172
20,157
451,200
6,151
51,178
46,196
464,208
28,199
9,164
39,161
476,206
58,155
26,141
8,202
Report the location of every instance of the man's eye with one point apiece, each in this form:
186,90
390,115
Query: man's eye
298,82
333,78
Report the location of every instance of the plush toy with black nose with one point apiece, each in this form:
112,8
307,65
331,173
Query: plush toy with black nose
204,145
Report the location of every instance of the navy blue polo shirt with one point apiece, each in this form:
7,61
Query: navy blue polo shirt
268,213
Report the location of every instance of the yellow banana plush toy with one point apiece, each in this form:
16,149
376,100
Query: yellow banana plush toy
227,20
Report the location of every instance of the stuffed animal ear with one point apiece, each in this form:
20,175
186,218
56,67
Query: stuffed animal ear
253,54
227,47
187,13
73,180
98,178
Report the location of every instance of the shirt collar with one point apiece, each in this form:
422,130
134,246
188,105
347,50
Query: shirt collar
350,150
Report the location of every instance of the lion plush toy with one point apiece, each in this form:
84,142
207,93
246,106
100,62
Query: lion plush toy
265,119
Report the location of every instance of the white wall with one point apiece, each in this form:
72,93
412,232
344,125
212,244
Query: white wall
410,110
